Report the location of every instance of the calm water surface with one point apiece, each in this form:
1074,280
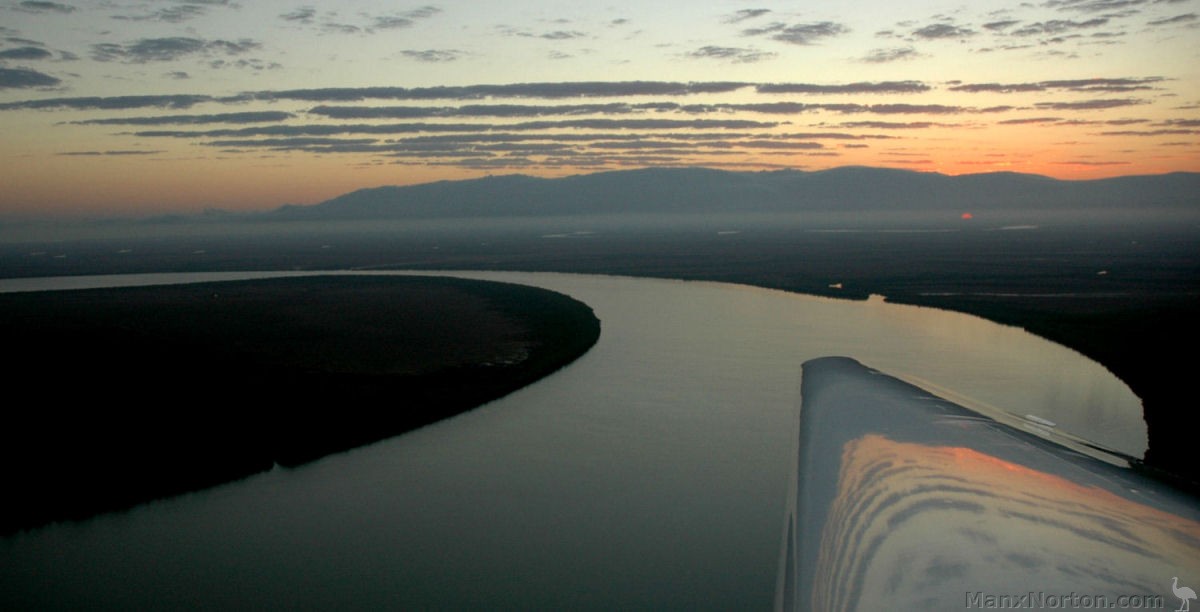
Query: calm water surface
651,473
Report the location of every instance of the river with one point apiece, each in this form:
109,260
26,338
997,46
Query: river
651,473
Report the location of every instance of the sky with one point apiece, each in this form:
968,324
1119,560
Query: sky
162,106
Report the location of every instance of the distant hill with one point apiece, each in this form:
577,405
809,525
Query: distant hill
688,190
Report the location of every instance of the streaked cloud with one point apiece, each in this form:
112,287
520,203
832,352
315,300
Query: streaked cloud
549,91
895,54
170,14
405,19
1161,132
562,35
1000,26
37,6
180,101
331,22
432,55
24,78
1090,104
1091,162
894,125
107,153
1078,85
800,33
303,15
244,63
1030,121
740,55
168,49
938,31
745,14
1057,26
622,108
410,128
25,53
879,87
244,117
1093,6
1178,19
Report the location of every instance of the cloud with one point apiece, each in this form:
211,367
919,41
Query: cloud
24,78
371,24
432,55
883,56
1058,26
1076,85
34,6
1086,162
403,20
167,49
249,64
244,117
798,34
475,110
618,108
1090,104
171,14
1186,18
606,145
303,14
1163,132
339,28
424,12
114,153
578,149
562,35
850,88
1092,6
391,22
16,40
1030,120
937,31
891,125
293,143
109,103
745,14
621,108
576,89
414,128
999,26
738,55
25,53
902,109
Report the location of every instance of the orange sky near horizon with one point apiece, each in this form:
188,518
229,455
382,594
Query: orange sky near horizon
175,106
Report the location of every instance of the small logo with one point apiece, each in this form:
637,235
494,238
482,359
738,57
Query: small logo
1185,595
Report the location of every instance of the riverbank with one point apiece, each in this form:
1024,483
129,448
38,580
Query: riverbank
152,391
1117,292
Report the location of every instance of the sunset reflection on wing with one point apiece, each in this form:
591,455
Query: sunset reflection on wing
906,508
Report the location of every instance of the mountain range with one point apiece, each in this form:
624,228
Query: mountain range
704,190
